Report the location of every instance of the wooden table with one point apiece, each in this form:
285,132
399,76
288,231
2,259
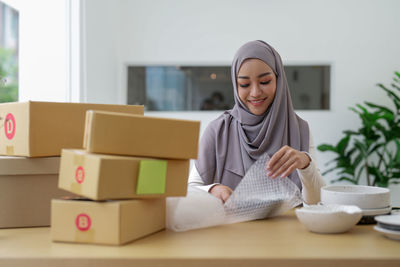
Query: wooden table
280,241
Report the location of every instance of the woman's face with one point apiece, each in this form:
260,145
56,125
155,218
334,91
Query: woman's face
256,83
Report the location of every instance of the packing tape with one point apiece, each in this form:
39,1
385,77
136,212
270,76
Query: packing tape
84,237
79,160
76,188
10,150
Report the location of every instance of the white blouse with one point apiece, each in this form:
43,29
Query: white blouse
310,177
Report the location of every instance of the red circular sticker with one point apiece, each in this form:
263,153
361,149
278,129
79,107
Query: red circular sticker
83,222
80,174
9,126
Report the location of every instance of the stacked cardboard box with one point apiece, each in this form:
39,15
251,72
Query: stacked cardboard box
27,186
32,135
129,164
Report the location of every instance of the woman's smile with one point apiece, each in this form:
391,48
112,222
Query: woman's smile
257,102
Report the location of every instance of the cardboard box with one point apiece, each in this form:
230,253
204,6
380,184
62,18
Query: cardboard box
123,134
38,129
101,177
109,222
27,186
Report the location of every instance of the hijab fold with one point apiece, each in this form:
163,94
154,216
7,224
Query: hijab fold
237,138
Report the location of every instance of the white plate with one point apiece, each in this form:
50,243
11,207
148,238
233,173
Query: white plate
389,219
388,233
373,212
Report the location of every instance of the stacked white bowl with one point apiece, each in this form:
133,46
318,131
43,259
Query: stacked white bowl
371,200
389,225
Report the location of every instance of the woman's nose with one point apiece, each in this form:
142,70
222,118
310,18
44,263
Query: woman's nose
255,91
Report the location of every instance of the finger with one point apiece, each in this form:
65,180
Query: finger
276,157
289,170
220,196
285,158
225,196
283,168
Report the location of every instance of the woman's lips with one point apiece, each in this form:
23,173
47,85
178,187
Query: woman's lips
257,102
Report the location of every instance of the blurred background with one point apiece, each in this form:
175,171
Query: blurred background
174,56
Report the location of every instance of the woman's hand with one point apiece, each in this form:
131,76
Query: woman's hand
221,191
285,161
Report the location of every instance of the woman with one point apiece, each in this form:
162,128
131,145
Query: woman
262,121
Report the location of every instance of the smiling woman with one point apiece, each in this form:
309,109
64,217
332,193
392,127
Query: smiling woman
262,121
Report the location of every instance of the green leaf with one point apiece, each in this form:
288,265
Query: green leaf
326,147
392,95
342,145
382,108
357,160
395,86
389,118
349,153
382,158
362,108
386,133
379,177
382,183
355,110
375,147
348,132
397,156
361,147
395,175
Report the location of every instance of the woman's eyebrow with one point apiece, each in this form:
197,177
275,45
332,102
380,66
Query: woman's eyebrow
259,76
264,74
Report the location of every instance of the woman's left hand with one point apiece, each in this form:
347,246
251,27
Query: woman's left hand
285,161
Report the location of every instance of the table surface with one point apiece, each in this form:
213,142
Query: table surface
281,240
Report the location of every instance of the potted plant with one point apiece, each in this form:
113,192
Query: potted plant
374,149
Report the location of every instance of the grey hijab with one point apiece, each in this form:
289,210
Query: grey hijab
236,139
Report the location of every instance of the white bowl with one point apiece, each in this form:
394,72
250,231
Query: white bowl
365,197
329,219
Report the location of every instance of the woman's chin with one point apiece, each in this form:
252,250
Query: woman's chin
258,111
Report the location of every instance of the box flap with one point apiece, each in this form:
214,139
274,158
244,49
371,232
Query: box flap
28,166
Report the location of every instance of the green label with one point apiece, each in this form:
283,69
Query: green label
152,177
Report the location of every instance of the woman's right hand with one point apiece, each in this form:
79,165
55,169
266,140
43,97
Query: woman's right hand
221,191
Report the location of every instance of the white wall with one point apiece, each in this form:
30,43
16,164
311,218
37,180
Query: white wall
42,49
102,19
359,38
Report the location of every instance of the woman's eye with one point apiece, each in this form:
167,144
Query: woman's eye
244,85
267,82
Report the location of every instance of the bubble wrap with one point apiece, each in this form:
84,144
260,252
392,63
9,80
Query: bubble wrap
257,196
